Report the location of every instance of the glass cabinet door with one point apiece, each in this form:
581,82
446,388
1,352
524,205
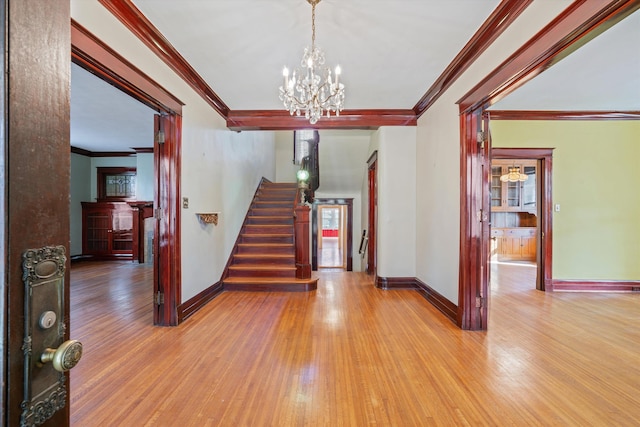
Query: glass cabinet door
529,188
513,194
98,230
496,186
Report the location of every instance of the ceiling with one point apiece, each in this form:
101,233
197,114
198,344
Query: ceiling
390,52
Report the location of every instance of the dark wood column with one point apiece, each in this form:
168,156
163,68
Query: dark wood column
35,169
303,267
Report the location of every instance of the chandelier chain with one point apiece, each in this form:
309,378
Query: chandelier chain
312,89
313,25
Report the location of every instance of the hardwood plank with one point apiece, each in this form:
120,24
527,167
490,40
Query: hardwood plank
351,354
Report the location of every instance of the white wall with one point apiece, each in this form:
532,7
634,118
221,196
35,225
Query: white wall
220,169
285,168
144,176
438,157
80,192
396,169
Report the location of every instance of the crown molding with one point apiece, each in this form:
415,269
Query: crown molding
562,115
576,25
499,20
132,18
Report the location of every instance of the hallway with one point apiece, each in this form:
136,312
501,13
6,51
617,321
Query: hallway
350,354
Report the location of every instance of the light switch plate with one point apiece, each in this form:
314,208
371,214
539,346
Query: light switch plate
185,203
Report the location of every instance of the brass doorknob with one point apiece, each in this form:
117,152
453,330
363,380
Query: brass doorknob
64,357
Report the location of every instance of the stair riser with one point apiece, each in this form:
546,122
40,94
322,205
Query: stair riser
249,238
267,220
270,212
288,204
268,229
274,272
283,250
278,192
276,197
276,261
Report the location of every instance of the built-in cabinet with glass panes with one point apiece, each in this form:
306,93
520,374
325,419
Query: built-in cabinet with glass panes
107,230
514,215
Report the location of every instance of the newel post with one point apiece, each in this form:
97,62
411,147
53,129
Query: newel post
301,225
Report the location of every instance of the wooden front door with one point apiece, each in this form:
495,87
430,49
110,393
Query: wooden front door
35,168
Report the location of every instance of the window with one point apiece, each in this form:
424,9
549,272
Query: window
117,184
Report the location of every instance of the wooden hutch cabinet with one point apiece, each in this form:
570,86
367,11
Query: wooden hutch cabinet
514,219
107,230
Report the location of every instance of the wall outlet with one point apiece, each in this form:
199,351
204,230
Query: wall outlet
185,203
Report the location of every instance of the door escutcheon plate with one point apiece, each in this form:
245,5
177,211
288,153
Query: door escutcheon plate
45,392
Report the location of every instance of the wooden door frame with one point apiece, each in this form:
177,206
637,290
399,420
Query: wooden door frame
580,22
348,202
544,234
372,209
99,59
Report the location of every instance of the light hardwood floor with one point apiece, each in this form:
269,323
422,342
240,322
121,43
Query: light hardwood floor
352,355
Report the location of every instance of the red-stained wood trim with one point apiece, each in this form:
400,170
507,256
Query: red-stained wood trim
563,115
595,285
301,229
544,156
167,268
436,299
387,283
142,150
499,20
138,24
472,264
580,22
92,54
372,209
239,120
88,153
189,307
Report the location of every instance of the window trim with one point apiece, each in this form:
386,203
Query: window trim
103,172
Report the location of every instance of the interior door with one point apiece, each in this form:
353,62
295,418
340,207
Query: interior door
34,181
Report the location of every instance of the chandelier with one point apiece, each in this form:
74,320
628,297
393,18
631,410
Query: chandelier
514,175
311,88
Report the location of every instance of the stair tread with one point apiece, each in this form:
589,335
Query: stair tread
266,244
267,280
287,226
264,255
267,234
262,267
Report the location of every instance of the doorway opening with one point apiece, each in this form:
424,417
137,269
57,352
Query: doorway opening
94,56
332,234
521,216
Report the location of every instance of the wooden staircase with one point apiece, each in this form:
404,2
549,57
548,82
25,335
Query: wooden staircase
264,256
